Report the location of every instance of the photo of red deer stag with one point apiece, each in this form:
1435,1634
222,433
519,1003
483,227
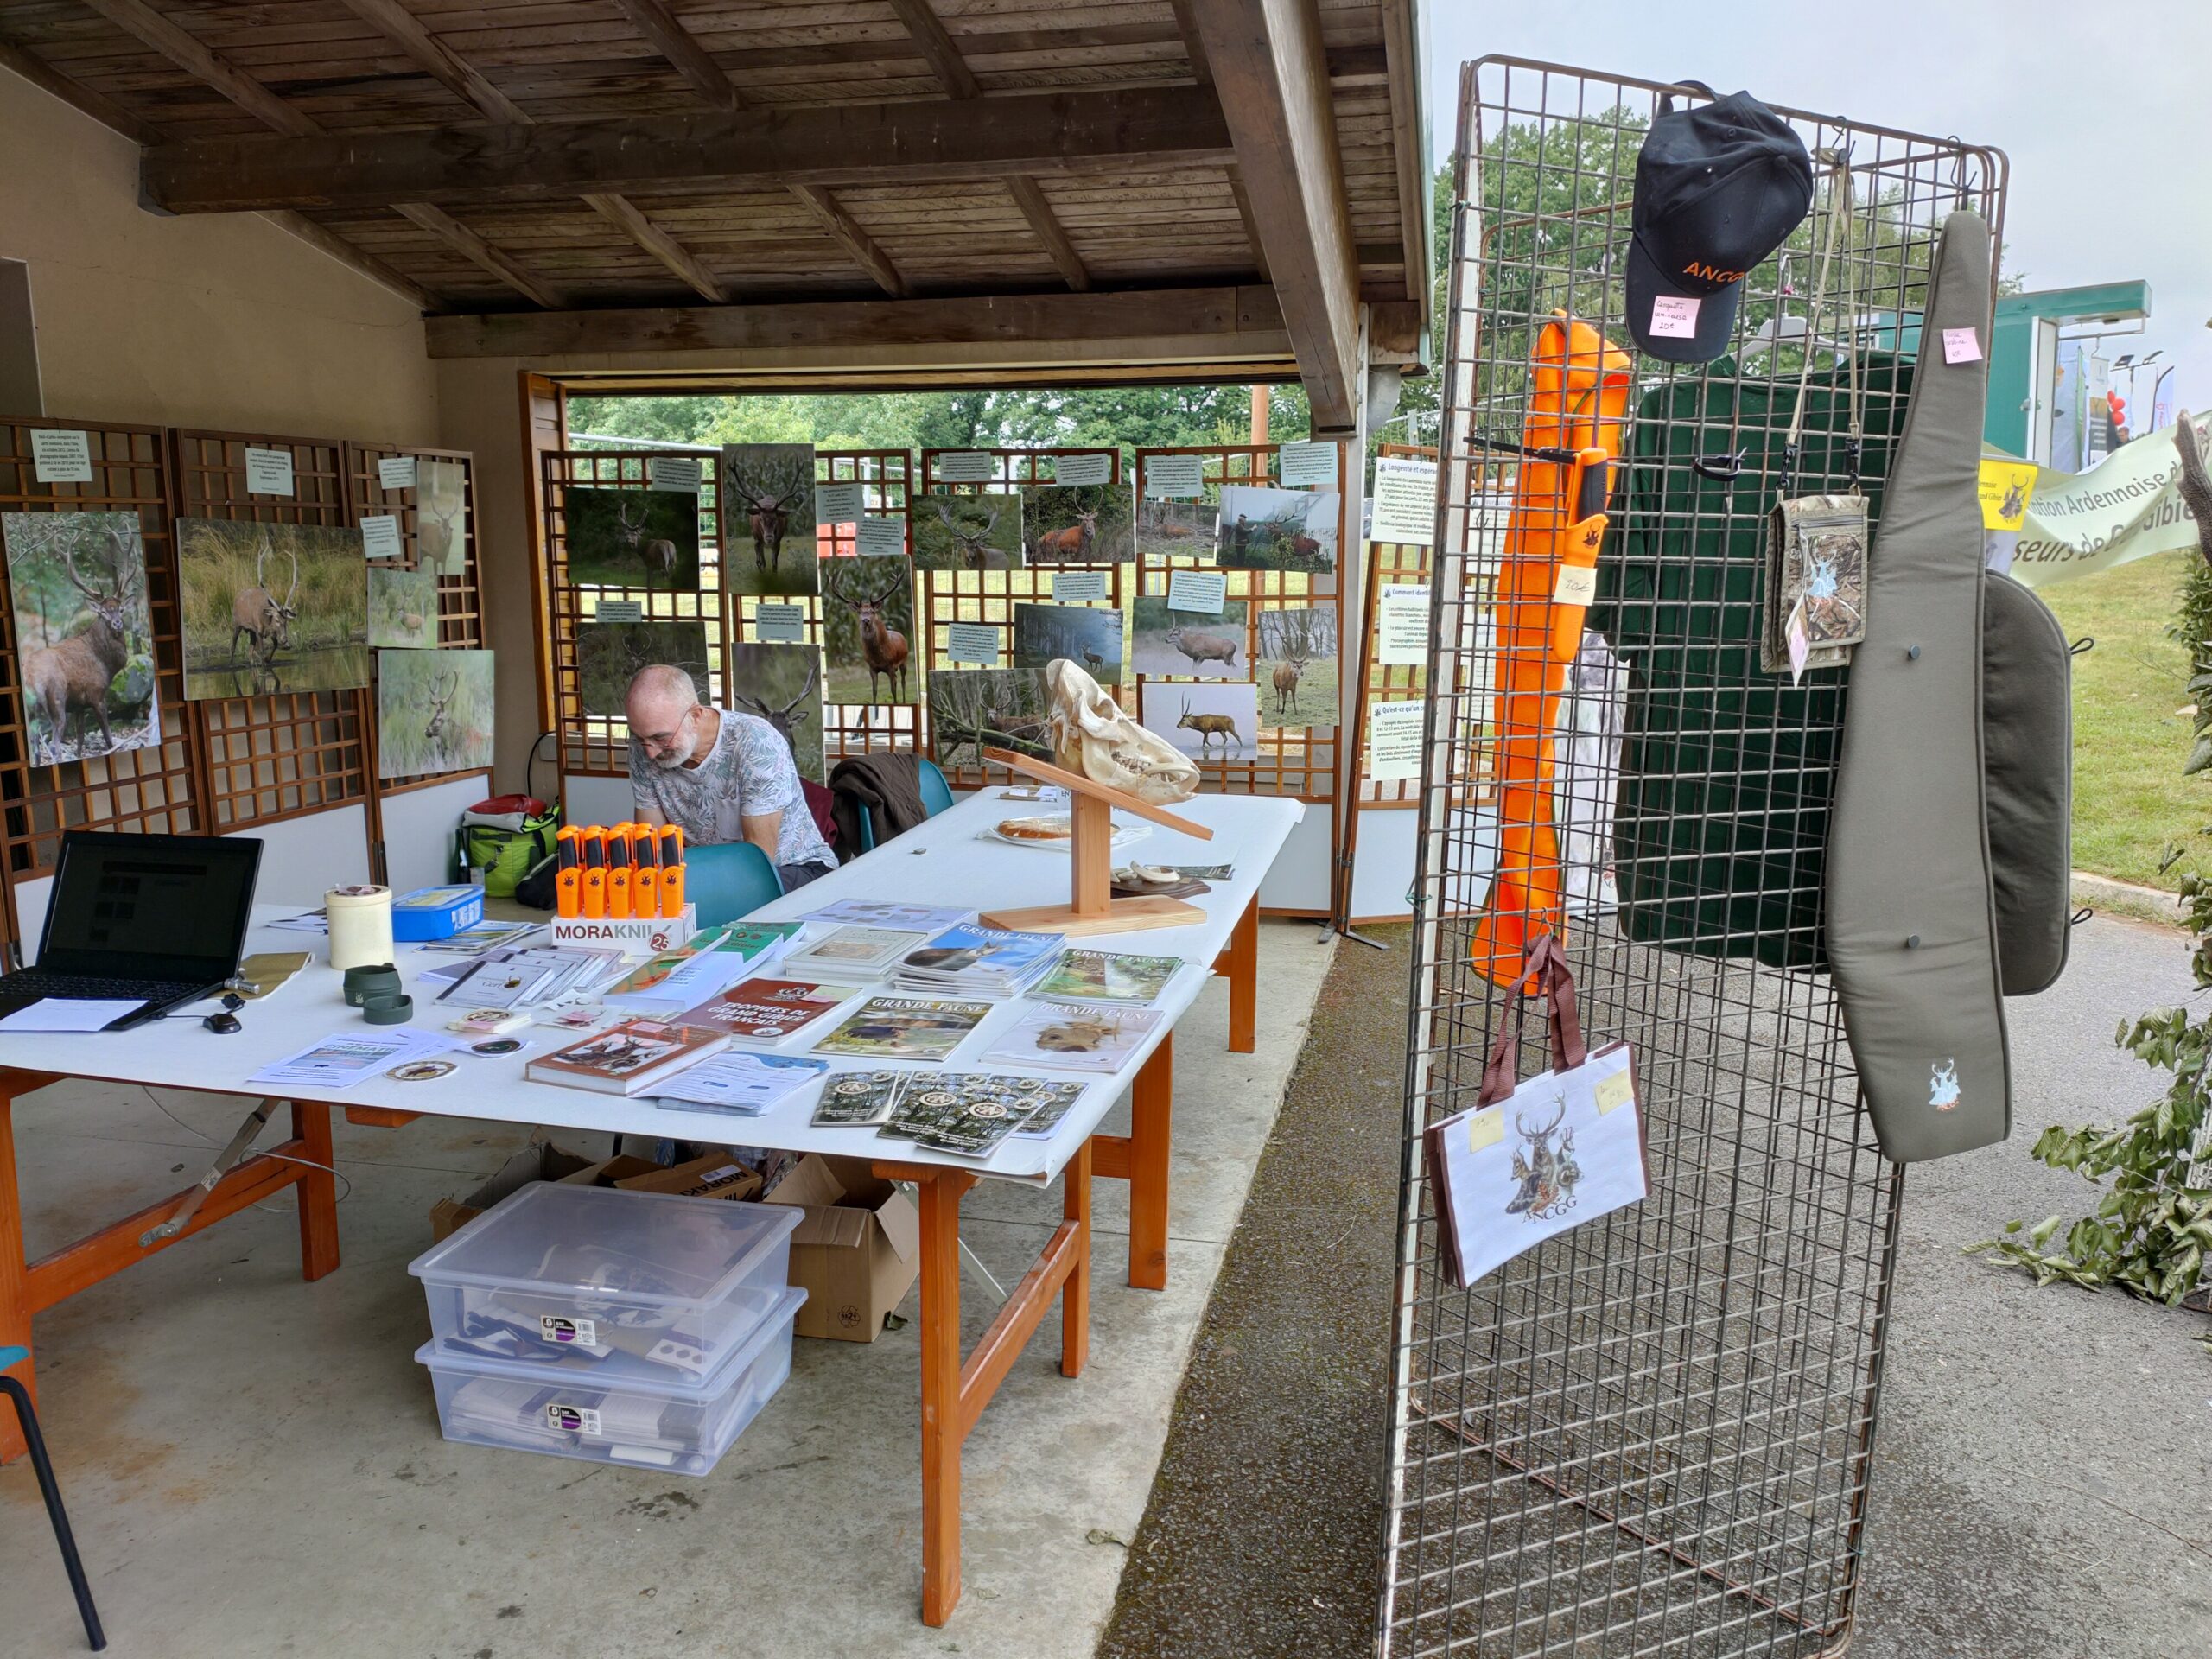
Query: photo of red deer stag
78,580
632,538
867,617
767,519
1079,524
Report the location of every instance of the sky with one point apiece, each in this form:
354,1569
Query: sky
2099,106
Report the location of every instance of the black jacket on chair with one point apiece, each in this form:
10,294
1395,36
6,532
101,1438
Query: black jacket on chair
887,785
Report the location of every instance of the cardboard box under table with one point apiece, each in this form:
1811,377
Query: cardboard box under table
945,858
856,1249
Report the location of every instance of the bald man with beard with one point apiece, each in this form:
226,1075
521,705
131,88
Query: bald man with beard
719,776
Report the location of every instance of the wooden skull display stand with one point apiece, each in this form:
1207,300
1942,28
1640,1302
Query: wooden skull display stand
1092,907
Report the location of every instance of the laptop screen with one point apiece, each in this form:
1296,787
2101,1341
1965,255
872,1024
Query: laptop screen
150,906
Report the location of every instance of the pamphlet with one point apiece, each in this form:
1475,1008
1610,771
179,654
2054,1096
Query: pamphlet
1061,1036
1103,976
977,961
343,1058
859,1098
862,951
738,1082
969,1113
904,1028
878,912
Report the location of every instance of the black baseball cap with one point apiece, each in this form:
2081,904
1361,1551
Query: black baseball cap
1718,189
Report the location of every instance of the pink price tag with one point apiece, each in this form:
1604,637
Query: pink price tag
1960,346
1674,316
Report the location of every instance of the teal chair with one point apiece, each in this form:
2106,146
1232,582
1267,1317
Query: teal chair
27,1420
937,796
728,882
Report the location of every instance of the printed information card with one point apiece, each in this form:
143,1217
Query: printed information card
679,473
1401,624
879,535
972,642
380,536
838,504
395,472
269,472
60,457
619,610
1197,590
1394,741
780,625
1405,503
1083,470
1170,477
1077,586
964,466
1300,464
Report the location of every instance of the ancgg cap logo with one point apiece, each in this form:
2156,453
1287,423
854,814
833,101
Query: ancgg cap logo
1943,1085
1710,273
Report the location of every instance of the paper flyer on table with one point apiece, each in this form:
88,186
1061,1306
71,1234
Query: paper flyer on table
343,1058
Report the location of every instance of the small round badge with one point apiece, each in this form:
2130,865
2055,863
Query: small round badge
495,1046
986,1108
939,1097
419,1070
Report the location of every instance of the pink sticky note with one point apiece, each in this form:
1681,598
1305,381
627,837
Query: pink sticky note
1960,346
1674,316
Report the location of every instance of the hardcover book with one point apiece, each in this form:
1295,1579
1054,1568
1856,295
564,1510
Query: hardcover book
625,1059
765,1010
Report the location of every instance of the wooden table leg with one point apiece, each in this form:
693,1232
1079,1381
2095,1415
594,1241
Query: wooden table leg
1151,1098
1075,1292
1239,963
942,1429
318,1190
15,1280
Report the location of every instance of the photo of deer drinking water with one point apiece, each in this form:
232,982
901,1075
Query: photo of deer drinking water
633,538
78,582
271,607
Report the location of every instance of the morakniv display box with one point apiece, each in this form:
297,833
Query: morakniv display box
636,936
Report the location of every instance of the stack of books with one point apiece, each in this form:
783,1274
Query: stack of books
854,955
972,960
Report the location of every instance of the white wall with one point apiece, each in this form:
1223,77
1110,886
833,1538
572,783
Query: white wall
419,830
212,320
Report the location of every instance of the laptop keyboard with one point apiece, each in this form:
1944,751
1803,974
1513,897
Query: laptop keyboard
31,982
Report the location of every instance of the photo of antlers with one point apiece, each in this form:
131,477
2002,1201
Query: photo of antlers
271,607
433,712
867,616
78,581
968,532
781,685
768,517
647,539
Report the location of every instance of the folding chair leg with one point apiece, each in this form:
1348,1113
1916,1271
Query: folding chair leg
52,1492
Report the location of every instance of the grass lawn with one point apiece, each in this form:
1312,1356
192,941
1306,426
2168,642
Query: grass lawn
2130,733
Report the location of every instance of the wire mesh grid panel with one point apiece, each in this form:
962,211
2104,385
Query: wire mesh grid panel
270,753
432,499
155,787
613,556
1649,1434
986,576
1283,614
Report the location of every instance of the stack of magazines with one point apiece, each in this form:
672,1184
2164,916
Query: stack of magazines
972,960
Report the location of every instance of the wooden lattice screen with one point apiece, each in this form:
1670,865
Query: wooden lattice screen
157,789
1299,760
276,757
461,609
988,597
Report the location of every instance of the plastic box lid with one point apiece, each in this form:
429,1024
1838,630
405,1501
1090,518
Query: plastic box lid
631,1379
653,1248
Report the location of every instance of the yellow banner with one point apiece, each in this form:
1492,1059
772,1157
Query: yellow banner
2007,487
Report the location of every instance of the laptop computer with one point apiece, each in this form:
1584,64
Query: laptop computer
157,920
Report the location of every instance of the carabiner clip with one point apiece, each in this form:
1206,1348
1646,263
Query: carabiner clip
1720,468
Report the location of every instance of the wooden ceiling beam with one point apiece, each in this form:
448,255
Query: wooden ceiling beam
681,47
1029,196
624,214
337,247
936,44
407,31
135,18
1402,50
1273,79
1152,326
470,246
847,233
1088,132
1194,44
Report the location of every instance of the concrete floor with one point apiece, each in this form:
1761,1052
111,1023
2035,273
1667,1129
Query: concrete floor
254,1468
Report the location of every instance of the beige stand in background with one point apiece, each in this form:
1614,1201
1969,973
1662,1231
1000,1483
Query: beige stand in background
1092,907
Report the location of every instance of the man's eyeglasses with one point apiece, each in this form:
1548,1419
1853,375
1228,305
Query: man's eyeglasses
667,740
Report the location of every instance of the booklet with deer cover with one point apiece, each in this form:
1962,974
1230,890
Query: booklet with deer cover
1106,976
627,1059
904,1028
1063,1037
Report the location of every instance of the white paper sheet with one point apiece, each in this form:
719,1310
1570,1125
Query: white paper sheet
68,1013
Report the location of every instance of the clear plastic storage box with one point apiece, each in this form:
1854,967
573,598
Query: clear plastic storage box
652,1422
590,1279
